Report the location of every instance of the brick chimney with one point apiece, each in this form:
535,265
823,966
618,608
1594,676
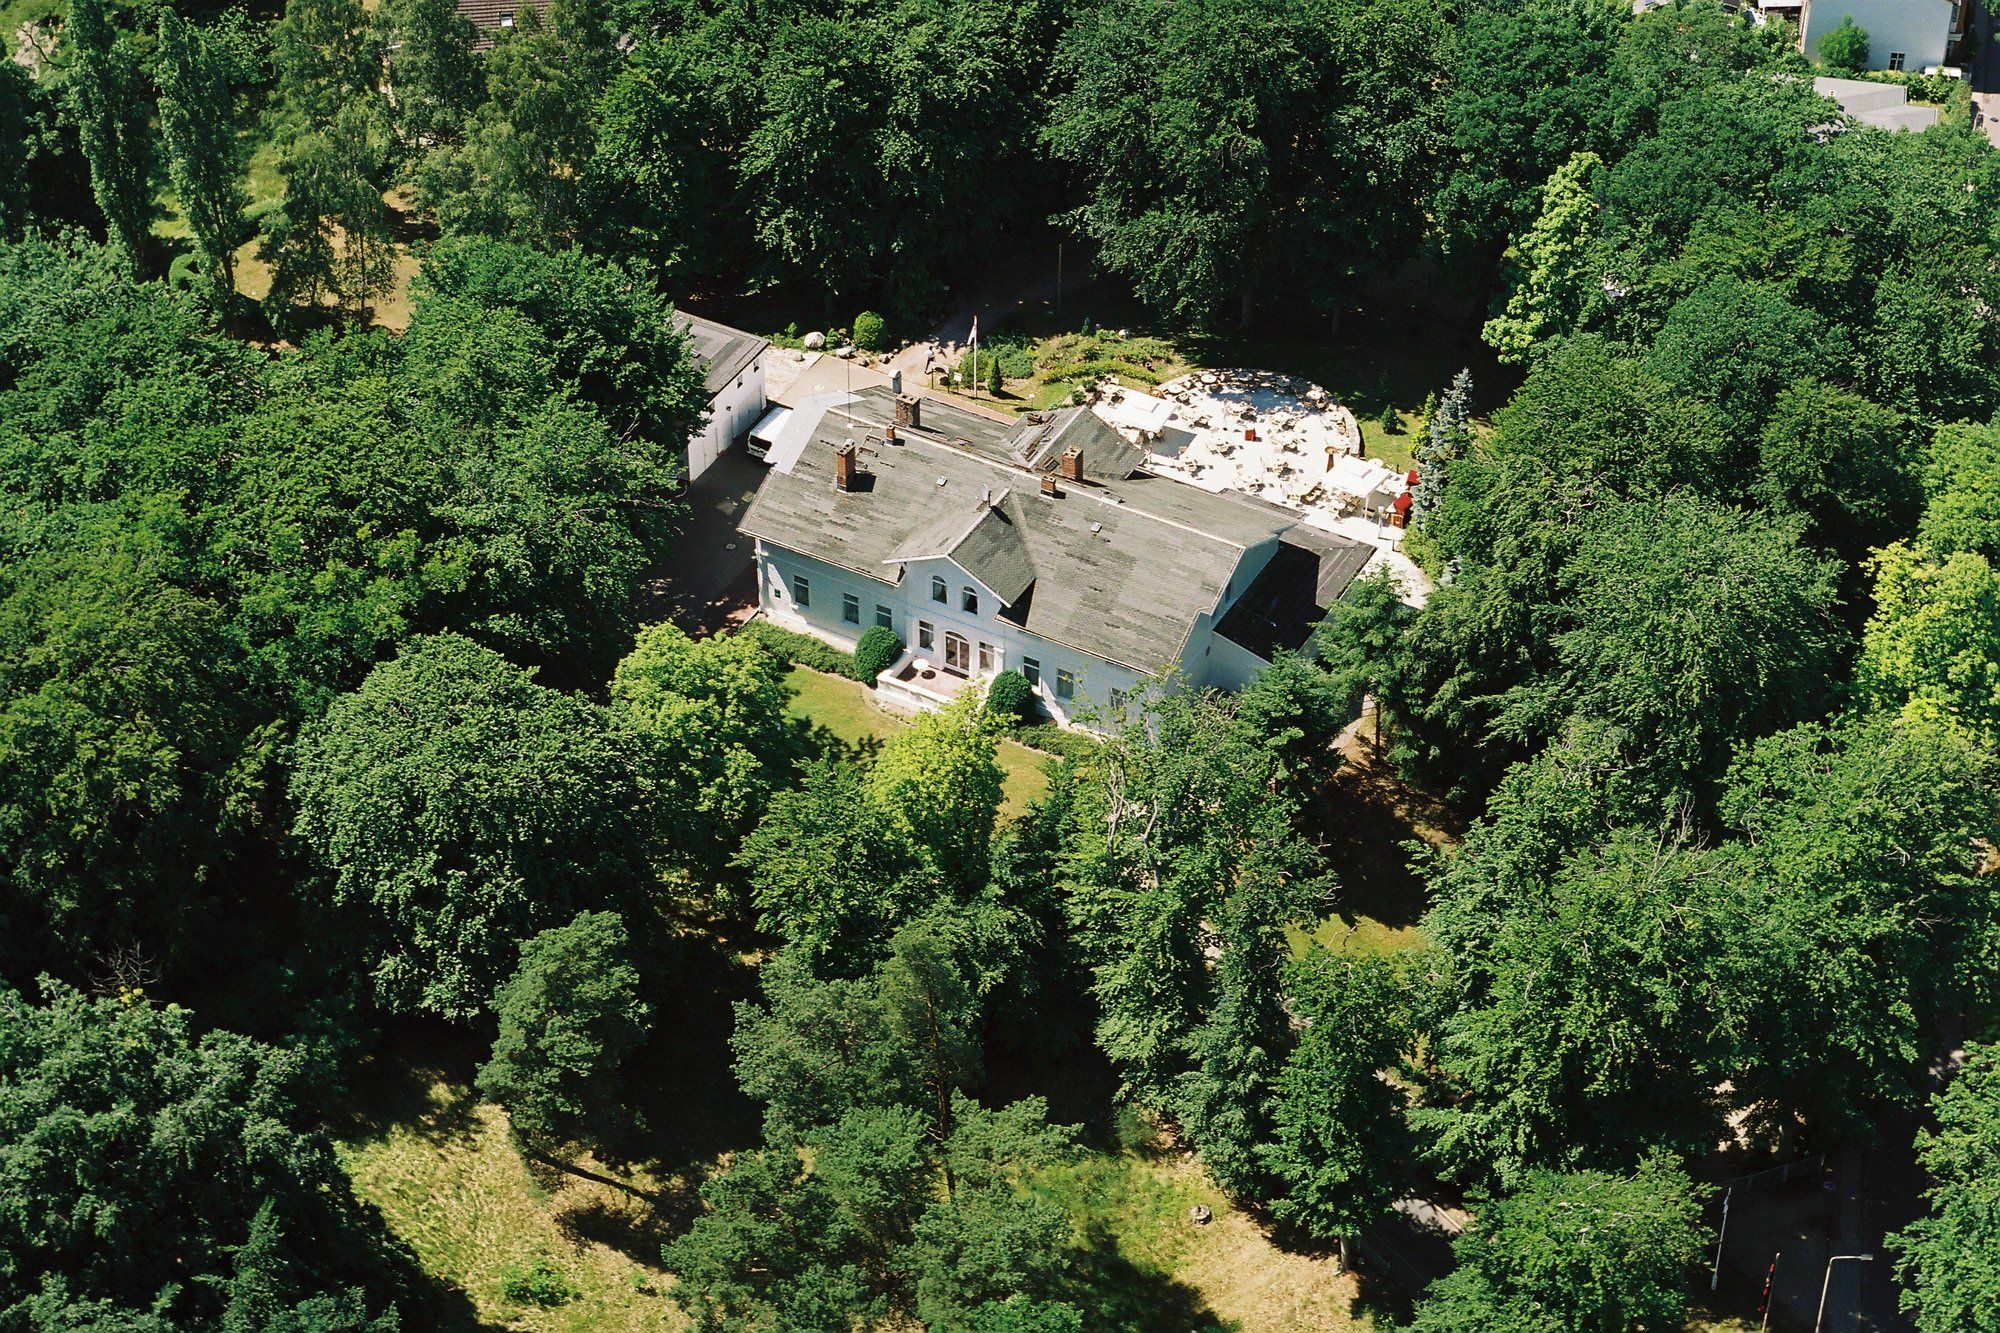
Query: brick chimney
909,411
889,434
1049,485
1071,466
846,466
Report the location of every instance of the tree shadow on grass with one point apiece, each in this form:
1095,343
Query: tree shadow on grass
418,1078
1118,1296
682,1114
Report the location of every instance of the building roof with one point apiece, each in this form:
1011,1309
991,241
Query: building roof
1310,571
1046,436
1884,106
722,353
1120,568
987,543
490,16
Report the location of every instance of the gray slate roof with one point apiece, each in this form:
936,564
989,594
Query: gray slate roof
1119,568
987,544
722,353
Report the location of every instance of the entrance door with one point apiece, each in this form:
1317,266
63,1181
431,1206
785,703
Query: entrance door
957,653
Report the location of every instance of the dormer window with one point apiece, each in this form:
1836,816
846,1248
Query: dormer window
939,593
506,20
970,601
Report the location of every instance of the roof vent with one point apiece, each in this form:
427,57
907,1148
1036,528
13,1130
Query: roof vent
1096,528
940,481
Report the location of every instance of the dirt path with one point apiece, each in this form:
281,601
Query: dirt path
1029,282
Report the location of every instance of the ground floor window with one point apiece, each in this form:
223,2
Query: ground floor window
1065,685
1117,701
985,656
882,616
1032,670
957,652
926,636
850,608
1895,60
802,591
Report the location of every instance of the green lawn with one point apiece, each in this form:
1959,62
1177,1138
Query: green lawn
1145,1267
451,1185
846,711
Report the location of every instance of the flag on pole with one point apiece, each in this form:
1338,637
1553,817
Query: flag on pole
975,356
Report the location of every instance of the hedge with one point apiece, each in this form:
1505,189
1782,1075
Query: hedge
800,649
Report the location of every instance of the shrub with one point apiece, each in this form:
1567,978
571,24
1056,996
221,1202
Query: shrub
1846,47
995,382
535,1283
878,649
1391,423
871,331
799,649
1010,696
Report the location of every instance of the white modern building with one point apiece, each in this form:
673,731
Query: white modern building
732,367
1902,34
1040,546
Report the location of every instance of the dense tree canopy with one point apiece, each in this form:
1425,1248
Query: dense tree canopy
155,1178
459,808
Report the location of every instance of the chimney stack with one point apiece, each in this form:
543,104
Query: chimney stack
889,434
1072,465
909,411
846,466
1049,485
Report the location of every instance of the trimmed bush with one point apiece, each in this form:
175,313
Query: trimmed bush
877,649
1846,47
871,331
799,649
1010,696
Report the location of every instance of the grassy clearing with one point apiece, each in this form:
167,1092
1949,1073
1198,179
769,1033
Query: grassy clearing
1360,935
1147,1267
844,709
450,1184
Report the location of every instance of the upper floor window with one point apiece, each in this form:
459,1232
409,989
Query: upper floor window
926,636
970,601
938,590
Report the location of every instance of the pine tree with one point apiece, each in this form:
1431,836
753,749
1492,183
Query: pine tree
1449,436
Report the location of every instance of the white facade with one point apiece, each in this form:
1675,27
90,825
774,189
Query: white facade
1902,34
1073,686
731,414
1068,681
